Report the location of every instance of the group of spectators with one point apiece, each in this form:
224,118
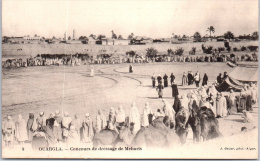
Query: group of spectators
43,131
76,59
58,127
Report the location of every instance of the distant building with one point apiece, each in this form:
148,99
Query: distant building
121,42
37,38
15,40
141,40
91,41
73,42
106,41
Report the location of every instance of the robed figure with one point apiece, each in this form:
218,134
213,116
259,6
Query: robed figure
165,80
175,91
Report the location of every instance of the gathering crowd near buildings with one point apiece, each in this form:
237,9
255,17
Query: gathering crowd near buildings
42,130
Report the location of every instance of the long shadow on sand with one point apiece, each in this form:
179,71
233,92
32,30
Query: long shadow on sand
235,120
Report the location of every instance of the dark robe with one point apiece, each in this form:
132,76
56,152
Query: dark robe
241,103
153,81
205,80
172,78
190,79
219,79
160,90
49,131
176,105
249,103
225,76
165,78
130,69
175,91
159,79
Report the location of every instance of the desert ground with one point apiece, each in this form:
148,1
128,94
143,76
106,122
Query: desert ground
27,50
71,89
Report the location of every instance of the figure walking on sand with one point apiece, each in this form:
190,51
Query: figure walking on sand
130,69
172,78
175,91
184,79
153,80
92,73
165,80
160,90
205,80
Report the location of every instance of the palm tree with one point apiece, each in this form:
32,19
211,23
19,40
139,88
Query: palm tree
210,29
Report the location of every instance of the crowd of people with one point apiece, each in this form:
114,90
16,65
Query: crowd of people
221,103
61,127
187,80
83,59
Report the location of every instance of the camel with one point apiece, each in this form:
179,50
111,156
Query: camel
105,137
202,121
208,124
181,119
39,140
157,134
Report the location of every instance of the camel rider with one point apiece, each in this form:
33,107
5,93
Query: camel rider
66,120
112,116
134,117
120,117
145,118
168,110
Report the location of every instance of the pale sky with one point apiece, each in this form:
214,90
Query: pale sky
152,18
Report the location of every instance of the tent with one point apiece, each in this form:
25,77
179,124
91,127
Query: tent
244,74
237,78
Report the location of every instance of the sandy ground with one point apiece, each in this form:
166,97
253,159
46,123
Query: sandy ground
71,89
26,50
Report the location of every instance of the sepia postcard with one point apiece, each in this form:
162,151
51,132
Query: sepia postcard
132,79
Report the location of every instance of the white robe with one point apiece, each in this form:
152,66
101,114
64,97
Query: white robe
145,119
134,117
101,122
20,130
221,107
169,111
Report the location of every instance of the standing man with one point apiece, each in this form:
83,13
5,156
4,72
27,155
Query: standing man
159,79
205,80
190,78
219,78
221,105
172,78
92,74
165,78
153,80
184,79
160,90
175,91
224,76
130,69
197,79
